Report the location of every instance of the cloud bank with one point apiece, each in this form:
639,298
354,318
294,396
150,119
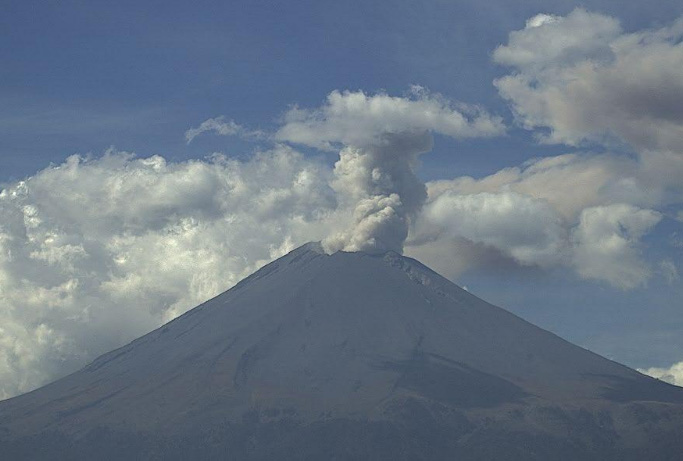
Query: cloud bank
587,213
672,375
580,78
95,252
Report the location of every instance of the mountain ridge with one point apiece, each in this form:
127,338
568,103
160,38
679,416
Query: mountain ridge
314,341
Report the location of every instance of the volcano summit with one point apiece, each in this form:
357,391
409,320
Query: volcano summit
347,356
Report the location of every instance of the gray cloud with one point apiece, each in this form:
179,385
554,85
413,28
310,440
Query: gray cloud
358,119
584,212
381,138
583,79
223,127
607,244
523,228
669,271
380,185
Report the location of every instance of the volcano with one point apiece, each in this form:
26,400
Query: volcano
347,356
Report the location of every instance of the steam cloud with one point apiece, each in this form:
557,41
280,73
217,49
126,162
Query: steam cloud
382,138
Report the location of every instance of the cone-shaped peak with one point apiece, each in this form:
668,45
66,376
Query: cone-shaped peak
315,342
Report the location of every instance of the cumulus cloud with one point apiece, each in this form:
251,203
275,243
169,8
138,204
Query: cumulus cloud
95,252
570,211
523,228
580,78
222,127
381,138
575,79
606,244
354,118
669,270
672,375
481,228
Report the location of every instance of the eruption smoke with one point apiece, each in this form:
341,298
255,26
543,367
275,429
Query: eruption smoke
381,139
383,190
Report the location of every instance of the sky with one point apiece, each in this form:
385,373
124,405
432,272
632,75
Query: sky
152,154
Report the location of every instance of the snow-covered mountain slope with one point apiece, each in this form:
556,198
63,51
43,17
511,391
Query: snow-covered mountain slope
315,346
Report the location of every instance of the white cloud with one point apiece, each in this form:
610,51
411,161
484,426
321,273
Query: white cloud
578,79
479,229
672,375
525,229
568,210
360,120
669,271
583,79
569,183
549,41
606,244
96,252
224,128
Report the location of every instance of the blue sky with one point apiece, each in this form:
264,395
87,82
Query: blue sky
81,77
